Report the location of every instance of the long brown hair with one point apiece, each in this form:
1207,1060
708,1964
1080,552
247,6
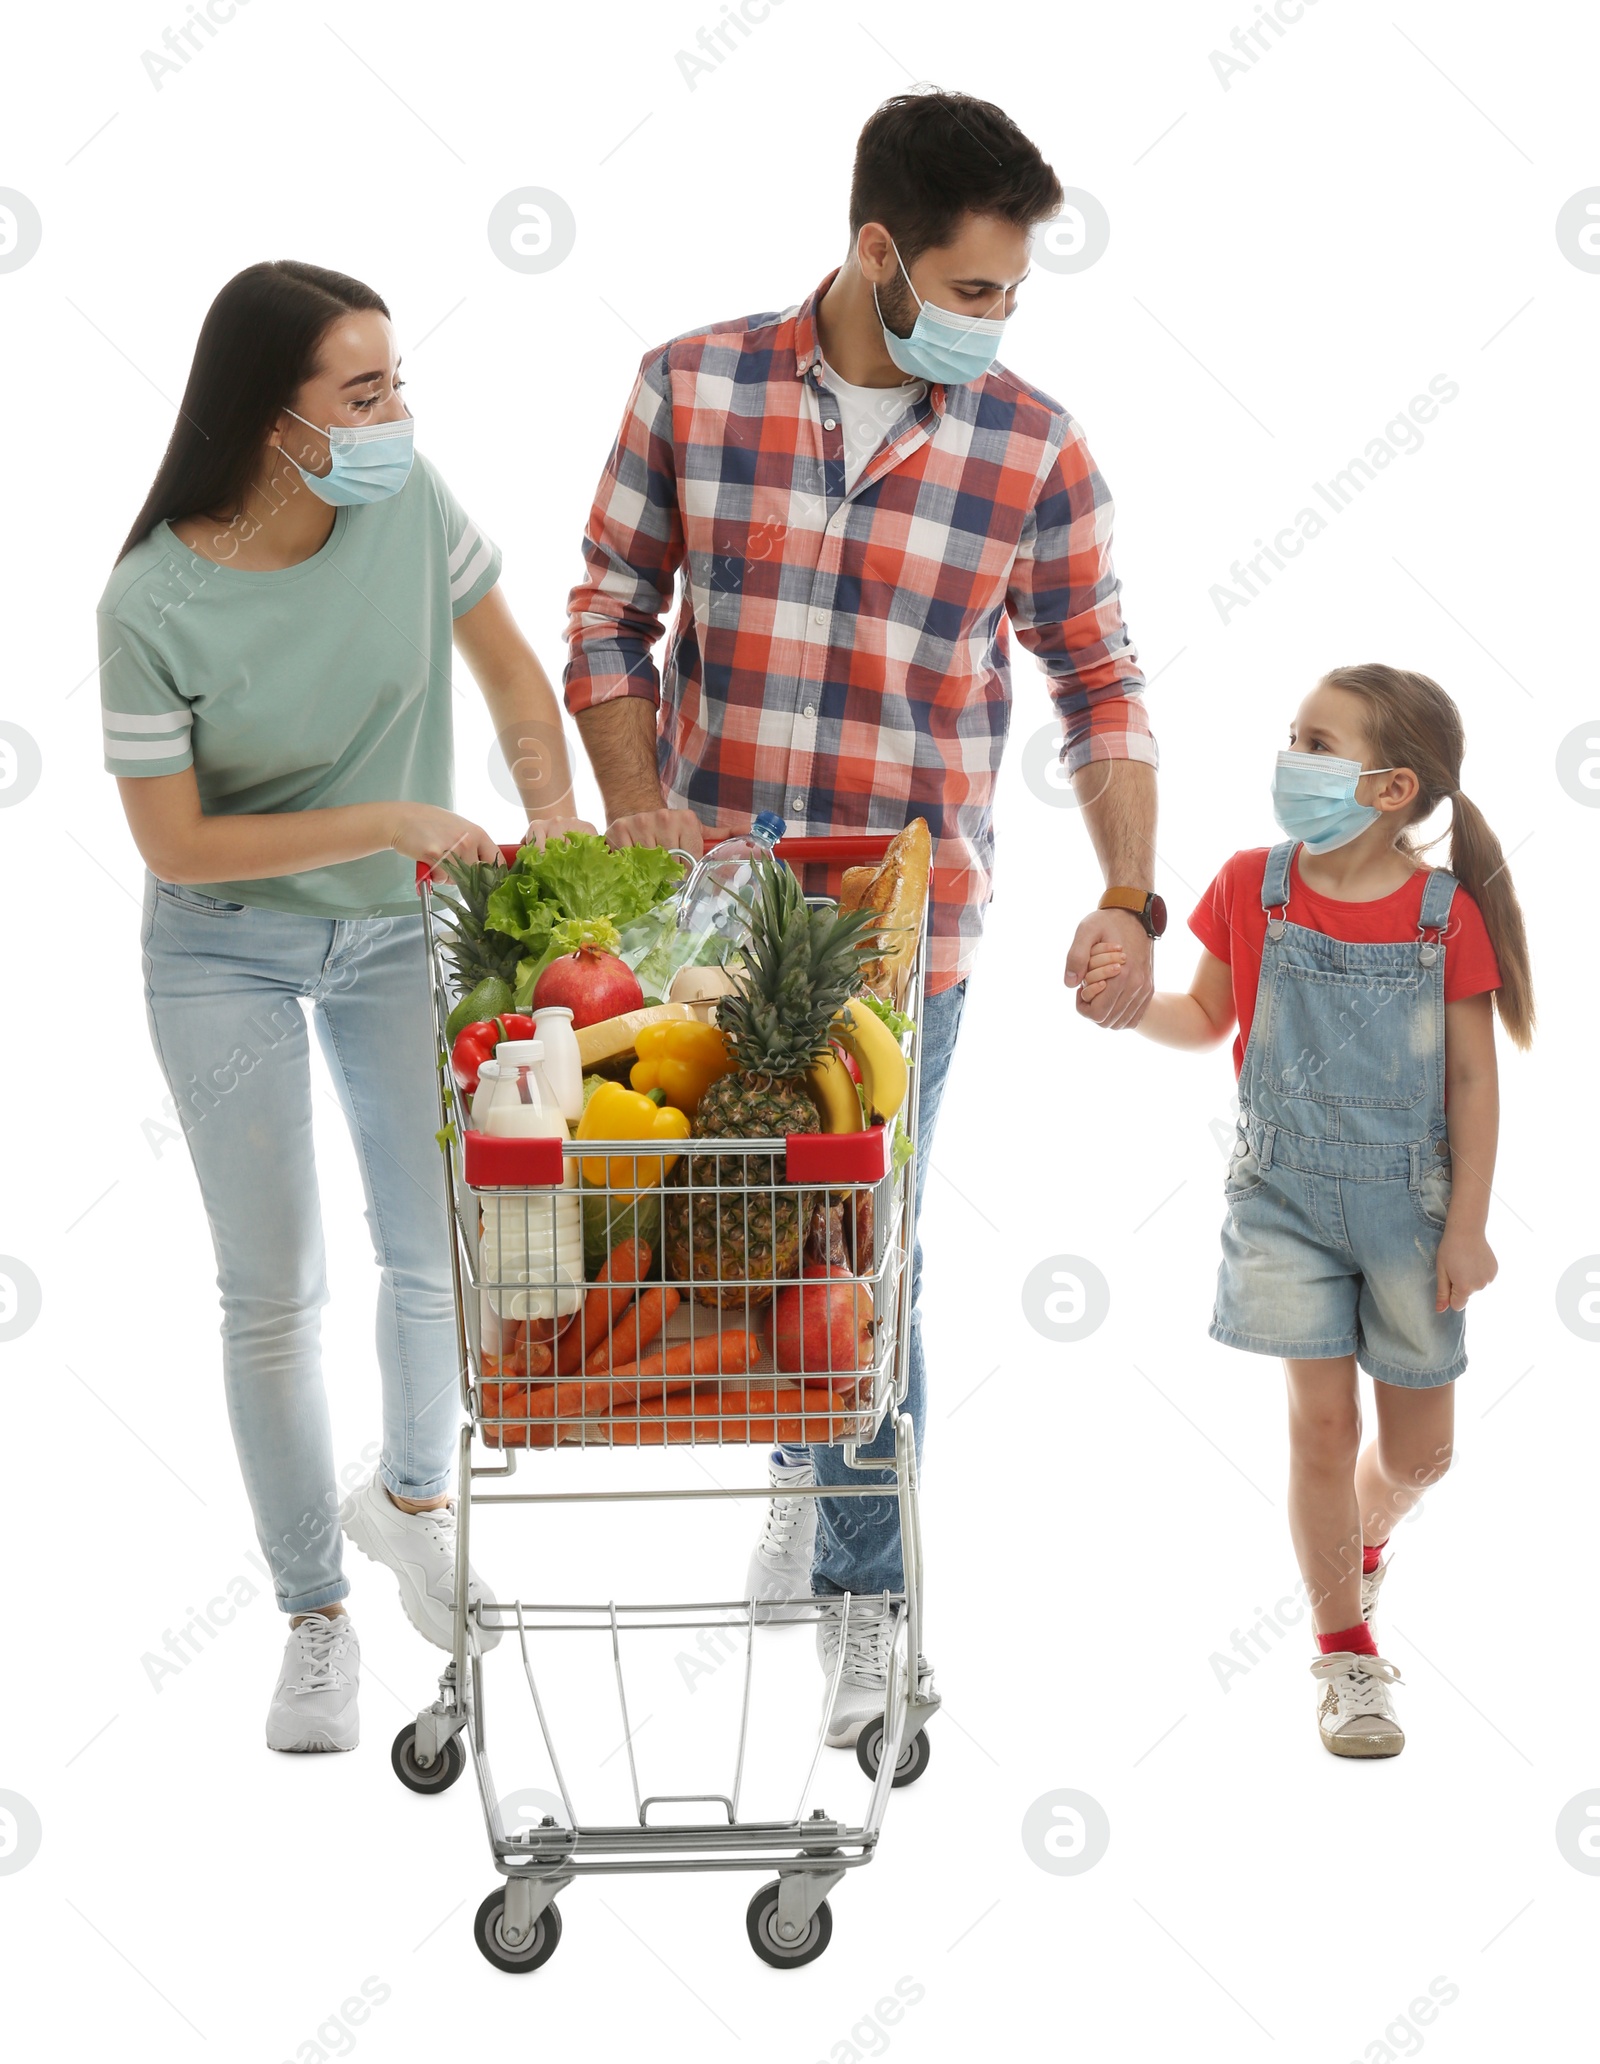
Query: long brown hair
1411,722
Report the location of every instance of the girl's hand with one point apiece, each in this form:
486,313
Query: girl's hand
1466,1263
1105,962
542,828
422,831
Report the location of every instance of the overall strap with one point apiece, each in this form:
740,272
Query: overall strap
1437,896
1275,881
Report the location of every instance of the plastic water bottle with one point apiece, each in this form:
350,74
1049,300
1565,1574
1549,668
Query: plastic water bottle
531,1253
714,908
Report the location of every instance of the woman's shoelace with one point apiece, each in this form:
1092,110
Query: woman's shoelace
318,1669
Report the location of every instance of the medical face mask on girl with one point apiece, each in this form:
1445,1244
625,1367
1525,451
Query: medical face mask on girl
370,462
1314,799
945,347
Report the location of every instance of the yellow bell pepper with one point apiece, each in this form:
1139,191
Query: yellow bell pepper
682,1060
615,1112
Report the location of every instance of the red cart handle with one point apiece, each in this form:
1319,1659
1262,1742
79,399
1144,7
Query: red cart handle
846,849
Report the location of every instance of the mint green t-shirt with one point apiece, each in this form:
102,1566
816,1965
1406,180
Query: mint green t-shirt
303,687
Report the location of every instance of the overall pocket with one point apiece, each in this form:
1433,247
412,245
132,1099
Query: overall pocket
1244,1171
1341,1038
1432,1195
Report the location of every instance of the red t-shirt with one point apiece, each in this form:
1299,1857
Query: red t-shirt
1230,922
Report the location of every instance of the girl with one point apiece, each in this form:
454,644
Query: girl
275,649
1360,981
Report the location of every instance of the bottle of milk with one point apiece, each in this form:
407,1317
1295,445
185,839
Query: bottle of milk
531,1253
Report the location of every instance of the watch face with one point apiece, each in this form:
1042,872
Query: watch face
1157,916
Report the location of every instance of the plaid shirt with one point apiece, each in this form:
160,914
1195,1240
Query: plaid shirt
843,659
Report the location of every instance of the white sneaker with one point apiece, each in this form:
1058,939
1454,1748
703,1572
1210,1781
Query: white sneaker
314,1700
1372,1585
1357,1716
780,1562
420,1547
864,1680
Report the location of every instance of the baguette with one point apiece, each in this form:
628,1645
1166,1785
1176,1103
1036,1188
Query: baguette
897,895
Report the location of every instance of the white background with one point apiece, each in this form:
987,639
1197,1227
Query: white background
1293,256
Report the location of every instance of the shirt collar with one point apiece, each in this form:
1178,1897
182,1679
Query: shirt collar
808,339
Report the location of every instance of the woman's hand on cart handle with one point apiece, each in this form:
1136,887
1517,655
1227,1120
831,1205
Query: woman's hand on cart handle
679,830
542,828
422,831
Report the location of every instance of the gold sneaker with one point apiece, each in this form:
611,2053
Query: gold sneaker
1356,1716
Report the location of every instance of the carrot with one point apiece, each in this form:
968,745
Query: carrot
731,1413
625,1268
523,1359
633,1332
711,1354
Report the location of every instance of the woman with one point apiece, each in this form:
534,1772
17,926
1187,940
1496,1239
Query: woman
275,670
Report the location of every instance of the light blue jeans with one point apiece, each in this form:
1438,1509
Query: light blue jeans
225,988
858,1539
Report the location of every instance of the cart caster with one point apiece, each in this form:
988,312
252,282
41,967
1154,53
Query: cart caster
437,1776
537,1949
913,1758
761,1924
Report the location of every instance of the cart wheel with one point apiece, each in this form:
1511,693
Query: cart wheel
913,1759
761,1924
437,1776
538,1949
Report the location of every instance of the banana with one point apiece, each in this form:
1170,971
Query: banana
834,1094
885,1077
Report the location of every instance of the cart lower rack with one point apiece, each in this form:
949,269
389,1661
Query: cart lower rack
733,1293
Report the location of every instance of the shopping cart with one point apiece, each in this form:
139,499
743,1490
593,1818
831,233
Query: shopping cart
733,1223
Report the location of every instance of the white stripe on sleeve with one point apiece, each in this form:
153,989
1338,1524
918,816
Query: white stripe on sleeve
135,720
468,538
463,582
147,749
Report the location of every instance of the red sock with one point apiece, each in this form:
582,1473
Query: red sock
1372,1555
1357,1640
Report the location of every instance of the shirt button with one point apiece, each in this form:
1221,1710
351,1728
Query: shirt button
819,616
829,424
810,709
1441,1147
798,805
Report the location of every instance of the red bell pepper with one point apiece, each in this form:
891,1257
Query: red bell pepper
475,1044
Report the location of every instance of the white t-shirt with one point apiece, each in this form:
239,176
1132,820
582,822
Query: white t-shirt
866,415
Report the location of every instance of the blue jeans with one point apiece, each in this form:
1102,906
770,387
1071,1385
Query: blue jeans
224,984
858,1539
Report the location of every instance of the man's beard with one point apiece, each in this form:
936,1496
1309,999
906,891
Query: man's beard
897,306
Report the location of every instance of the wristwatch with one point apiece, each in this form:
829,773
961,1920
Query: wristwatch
1145,904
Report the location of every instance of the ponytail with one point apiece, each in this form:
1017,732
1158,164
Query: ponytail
1478,863
1411,722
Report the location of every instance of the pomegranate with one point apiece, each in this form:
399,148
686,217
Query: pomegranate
818,1328
592,983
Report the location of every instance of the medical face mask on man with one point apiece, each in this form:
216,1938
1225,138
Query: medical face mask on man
942,346
370,462
1314,799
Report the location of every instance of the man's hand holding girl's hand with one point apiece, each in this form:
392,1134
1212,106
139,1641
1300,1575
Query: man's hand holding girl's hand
1111,964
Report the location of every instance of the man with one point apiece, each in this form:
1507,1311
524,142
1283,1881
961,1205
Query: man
858,499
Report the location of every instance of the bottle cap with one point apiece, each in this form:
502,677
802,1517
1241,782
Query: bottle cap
768,824
552,1010
518,1053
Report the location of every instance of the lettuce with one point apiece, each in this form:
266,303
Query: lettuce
581,876
897,1021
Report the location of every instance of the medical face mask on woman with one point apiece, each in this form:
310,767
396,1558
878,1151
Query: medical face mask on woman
1314,799
942,346
370,462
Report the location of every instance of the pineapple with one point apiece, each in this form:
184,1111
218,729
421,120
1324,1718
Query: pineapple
800,967
476,951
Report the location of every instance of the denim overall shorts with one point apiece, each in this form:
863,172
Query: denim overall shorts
1340,1177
